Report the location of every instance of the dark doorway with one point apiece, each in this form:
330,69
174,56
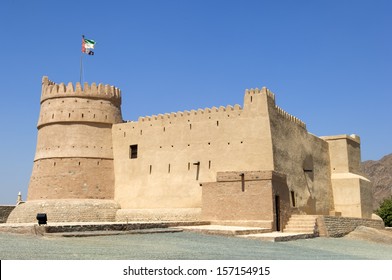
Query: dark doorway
277,212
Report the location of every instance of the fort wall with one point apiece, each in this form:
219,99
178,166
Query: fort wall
304,159
176,151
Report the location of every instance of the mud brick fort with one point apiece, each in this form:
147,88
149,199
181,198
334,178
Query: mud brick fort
252,165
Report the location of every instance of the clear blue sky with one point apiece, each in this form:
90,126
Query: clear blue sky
328,62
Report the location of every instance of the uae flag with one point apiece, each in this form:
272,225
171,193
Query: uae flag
87,46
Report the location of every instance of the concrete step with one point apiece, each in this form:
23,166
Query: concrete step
279,236
302,218
300,226
296,230
301,223
225,230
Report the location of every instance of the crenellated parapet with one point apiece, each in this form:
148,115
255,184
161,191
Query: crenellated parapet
263,90
195,114
52,90
289,117
250,95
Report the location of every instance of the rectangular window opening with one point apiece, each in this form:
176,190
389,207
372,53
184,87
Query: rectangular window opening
133,151
150,169
292,193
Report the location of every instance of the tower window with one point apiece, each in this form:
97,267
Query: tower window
133,151
292,193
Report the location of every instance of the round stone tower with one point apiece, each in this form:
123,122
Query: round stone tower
73,174
74,156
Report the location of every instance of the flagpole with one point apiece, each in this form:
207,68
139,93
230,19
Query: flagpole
81,62
81,68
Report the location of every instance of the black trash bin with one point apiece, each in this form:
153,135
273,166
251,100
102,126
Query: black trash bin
42,218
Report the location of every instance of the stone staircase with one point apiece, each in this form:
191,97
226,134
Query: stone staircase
302,224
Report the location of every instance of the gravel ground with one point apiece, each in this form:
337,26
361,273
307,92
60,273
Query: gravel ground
187,246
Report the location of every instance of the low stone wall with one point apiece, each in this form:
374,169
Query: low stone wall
66,210
5,211
331,226
53,228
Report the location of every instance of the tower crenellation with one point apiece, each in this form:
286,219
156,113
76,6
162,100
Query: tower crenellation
52,90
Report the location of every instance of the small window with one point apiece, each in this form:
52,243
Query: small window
133,151
292,193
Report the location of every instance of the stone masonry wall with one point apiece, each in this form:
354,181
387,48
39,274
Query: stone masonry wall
72,178
5,211
331,226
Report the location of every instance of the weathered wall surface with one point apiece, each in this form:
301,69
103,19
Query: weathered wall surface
177,151
332,226
5,211
304,158
78,178
74,155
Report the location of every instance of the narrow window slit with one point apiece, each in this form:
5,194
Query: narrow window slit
292,193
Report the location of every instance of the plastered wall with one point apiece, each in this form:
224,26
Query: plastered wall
304,158
177,151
